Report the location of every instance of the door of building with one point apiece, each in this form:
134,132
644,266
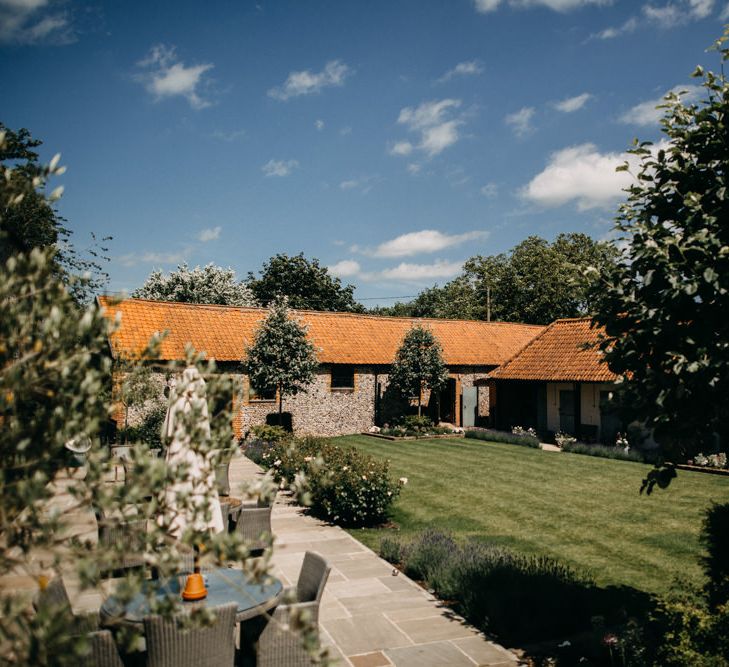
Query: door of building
469,403
567,411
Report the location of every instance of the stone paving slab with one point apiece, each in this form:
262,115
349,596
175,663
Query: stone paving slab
371,616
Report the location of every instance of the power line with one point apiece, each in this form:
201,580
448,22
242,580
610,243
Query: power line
377,298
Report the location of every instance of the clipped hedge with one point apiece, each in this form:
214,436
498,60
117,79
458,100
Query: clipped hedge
603,451
347,487
501,436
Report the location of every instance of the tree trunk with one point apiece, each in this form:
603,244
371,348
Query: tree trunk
420,398
280,405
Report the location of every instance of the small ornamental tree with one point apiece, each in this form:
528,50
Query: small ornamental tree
281,355
418,365
207,284
665,306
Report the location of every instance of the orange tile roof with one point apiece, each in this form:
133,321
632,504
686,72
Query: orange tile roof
558,354
344,338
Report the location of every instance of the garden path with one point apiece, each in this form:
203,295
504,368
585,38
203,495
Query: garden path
371,615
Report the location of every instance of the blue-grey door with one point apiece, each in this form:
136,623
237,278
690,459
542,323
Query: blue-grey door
567,411
469,403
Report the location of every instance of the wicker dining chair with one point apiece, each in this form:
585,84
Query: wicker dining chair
280,646
254,526
102,651
124,534
170,645
54,599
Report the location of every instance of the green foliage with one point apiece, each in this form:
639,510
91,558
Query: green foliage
345,486
414,425
32,221
54,391
305,283
664,306
148,430
270,434
418,365
605,452
281,355
535,282
502,436
208,284
715,538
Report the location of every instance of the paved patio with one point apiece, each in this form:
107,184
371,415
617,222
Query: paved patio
371,616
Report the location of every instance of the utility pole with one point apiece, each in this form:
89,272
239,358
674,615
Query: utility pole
488,303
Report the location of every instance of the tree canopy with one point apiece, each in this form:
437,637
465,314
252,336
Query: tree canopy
665,304
281,355
208,284
536,282
33,222
305,283
418,365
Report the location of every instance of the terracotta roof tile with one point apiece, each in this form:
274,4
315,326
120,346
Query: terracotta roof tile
344,338
558,354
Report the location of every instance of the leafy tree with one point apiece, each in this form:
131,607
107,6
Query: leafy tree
536,282
665,304
454,300
281,355
418,365
305,283
32,222
54,380
539,282
209,284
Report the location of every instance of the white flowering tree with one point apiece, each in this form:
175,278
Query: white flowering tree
281,357
208,284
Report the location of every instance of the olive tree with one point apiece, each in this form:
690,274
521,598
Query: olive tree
664,306
54,391
281,356
418,365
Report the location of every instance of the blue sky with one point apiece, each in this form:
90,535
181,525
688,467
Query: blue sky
390,139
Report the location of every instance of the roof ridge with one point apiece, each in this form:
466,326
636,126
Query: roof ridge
523,349
218,306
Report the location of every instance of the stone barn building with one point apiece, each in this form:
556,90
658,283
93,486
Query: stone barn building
349,394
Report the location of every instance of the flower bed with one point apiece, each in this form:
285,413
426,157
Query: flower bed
525,440
346,486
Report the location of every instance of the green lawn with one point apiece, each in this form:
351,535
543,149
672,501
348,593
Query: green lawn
586,511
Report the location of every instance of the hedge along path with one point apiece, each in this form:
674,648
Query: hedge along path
584,510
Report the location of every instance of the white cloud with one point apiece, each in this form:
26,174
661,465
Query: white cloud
335,72
571,104
279,167
724,16
414,168
319,124
402,148
490,190
611,33
423,242
363,184
158,258
229,137
210,234
646,112
485,6
583,175
431,120
415,273
345,269
166,76
678,13
521,121
346,130
34,22
466,68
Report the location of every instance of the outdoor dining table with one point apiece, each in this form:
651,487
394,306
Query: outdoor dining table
224,585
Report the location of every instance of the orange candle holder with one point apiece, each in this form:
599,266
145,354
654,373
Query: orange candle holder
194,587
